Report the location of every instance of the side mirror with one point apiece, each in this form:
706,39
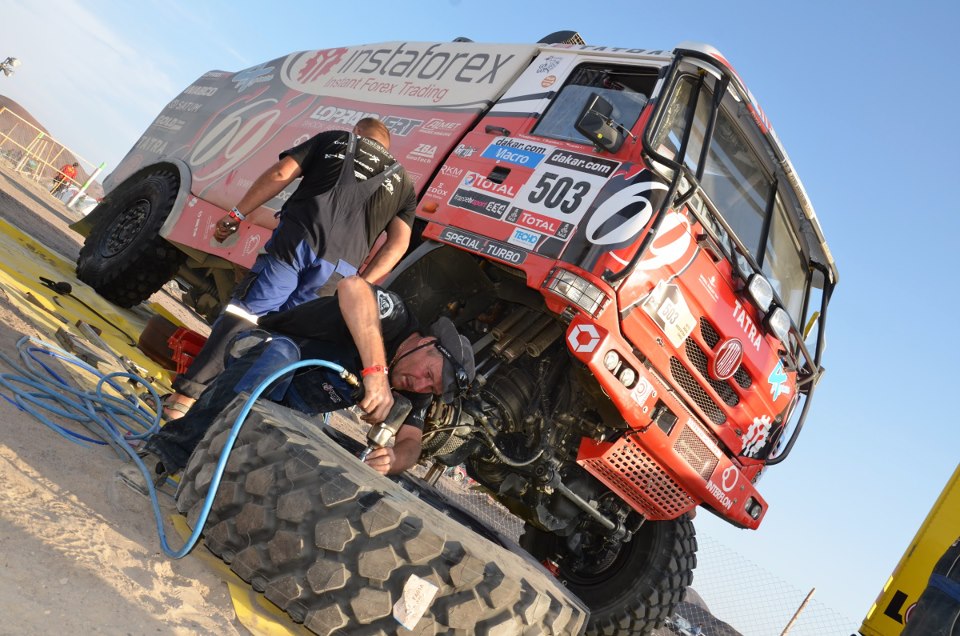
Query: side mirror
596,124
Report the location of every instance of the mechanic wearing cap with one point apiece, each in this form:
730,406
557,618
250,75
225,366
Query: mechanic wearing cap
370,332
351,190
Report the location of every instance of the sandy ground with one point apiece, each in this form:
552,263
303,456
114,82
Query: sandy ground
79,553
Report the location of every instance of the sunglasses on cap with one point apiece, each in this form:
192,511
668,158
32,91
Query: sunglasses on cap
459,373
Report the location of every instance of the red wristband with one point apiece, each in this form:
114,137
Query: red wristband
236,214
377,368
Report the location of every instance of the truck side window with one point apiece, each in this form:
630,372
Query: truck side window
626,89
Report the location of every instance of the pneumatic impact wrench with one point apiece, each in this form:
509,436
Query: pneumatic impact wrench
380,434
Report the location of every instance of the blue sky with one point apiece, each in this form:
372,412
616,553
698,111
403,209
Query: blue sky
852,88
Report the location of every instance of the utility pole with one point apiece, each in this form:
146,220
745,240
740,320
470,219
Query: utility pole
796,614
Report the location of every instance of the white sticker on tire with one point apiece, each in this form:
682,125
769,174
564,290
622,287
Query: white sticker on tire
414,601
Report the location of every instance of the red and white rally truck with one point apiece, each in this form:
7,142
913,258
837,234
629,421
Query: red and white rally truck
619,232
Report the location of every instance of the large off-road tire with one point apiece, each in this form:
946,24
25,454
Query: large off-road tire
332,543
124,258
636,588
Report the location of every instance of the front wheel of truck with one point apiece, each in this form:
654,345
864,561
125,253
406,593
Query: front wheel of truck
124,258
632,587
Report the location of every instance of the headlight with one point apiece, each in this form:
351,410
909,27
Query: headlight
760,291
611,361
754,508
577,290
778,322
627,377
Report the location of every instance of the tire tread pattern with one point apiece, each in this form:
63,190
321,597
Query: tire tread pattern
149,261
332,543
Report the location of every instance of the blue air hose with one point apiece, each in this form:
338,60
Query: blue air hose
108,417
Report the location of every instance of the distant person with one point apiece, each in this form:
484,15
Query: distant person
352,190
66,176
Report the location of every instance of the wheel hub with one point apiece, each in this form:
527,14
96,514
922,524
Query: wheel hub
125,228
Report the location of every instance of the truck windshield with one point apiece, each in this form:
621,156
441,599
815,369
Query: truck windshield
626,89
738,185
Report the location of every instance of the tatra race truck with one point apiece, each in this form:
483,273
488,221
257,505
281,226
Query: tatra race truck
619,232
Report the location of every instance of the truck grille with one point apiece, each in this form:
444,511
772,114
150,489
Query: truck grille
630,472
694,387
699,359
696,392
695,452
711,337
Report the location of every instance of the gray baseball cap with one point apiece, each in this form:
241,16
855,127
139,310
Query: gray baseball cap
459,369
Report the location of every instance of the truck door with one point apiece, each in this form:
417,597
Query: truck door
522,186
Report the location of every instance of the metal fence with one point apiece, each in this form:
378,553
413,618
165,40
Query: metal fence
732,595
36,156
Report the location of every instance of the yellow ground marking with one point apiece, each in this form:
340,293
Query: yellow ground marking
25,260
254,611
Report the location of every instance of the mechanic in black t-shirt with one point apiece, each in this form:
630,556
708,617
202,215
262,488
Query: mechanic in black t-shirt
351,190
361,328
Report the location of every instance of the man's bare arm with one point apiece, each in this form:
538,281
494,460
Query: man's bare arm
398,240
362,317
404,453
268,185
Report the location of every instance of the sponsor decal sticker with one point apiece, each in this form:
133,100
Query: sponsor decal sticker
729,478
256,75
319,64
710,285
631,203
642,391
152,144
542,224
479,203
184,106
726,359
746,323
202,91
405,73
384,303
438,190
548,64
465,151
667,307
482,245
480,182
671,243
582,163
450,171
524,238
516,151
548,81
423,153
583,338
722,498
169,123
400,126
565,185
439,127
756,436
251,245
778,381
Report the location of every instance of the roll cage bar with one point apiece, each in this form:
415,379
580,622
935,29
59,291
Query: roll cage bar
685,185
